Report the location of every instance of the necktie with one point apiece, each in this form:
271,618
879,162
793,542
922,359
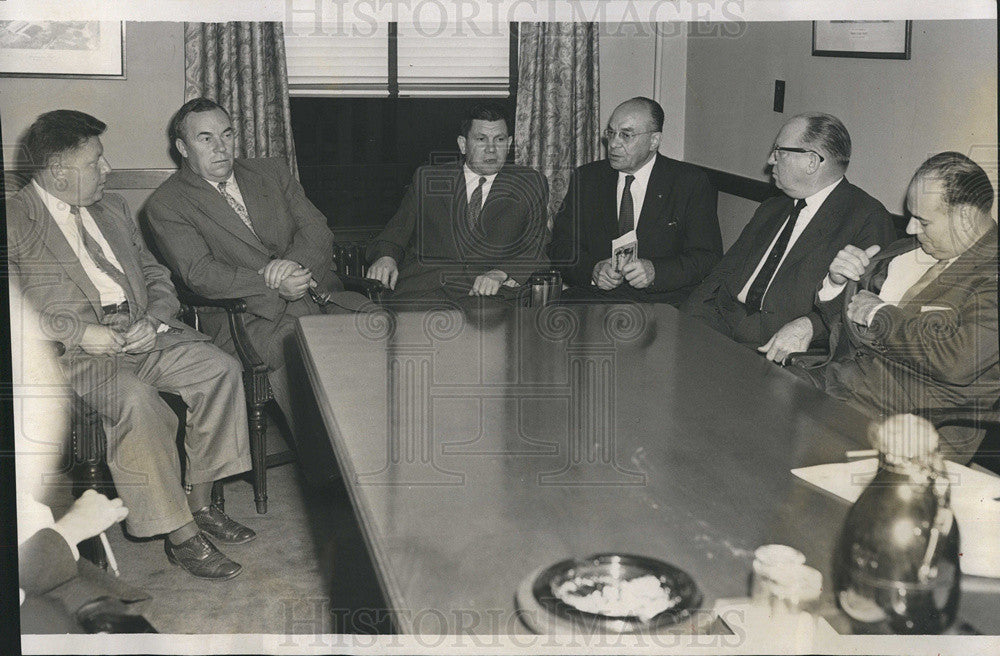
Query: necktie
237,207
476,204
929,276
626,211
96,253
755,295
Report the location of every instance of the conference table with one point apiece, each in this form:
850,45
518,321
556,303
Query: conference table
481,442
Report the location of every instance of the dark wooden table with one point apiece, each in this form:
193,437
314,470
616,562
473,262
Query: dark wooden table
483,443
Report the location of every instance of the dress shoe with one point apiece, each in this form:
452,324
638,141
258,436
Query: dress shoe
221,526
201,559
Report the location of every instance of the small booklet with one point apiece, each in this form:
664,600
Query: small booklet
624,250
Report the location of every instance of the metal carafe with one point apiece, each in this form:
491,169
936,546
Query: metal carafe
895,565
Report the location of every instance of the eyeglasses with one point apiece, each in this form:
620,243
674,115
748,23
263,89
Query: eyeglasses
627,136
784,149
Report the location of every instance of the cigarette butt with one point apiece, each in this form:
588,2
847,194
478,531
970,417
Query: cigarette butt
861,453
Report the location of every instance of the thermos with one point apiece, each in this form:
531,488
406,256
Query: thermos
895,565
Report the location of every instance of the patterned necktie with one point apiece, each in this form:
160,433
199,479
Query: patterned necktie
476,204
930,275
96,253
237,207
626,212
755,296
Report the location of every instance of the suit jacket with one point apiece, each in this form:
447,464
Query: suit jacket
847,216
57,286
46,567
214,254
433,244
678,229
938,350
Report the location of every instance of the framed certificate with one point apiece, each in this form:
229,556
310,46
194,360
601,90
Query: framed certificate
877,39
62,49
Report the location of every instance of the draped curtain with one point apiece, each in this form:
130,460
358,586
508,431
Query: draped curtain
558,101
241,66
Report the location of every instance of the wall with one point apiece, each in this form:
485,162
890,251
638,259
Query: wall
898,111
627,61
136,109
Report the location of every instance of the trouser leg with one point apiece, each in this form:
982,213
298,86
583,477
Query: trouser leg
141,432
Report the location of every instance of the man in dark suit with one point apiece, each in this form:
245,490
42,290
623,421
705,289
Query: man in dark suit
671,206
82,264
243,228
922,332
761,293
473,228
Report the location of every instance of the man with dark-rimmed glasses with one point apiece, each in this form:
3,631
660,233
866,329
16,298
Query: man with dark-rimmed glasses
761,292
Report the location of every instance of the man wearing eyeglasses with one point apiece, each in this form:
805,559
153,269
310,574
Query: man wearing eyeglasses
761,293
475,228
669,204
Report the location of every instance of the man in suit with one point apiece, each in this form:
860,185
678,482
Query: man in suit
82,264
473,228
671,206
922,331
761,293
243,228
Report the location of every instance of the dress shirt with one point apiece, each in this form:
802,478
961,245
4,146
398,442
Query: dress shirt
472,181
111,292
904,271
638,189
813,203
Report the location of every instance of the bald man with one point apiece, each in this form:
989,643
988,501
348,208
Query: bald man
671,206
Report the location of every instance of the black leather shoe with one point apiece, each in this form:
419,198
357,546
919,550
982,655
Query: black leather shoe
221,526
201,559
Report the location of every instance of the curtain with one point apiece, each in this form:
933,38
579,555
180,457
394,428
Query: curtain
242,67
558,102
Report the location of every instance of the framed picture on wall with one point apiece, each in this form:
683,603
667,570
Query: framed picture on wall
871,39
94,49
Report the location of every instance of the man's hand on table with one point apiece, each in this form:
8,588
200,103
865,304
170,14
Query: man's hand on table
489,283
639,274
385,270
605,276
793,337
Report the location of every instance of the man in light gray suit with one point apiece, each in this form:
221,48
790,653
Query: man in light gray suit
80,261
243,228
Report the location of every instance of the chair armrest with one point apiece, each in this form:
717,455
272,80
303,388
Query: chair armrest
373,289
809,358
236,309
194,300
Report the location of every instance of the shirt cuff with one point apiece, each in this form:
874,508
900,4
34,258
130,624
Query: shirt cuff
72,547
871,315
829,291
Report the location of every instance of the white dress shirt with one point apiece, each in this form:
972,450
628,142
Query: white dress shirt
813,203
472,181
111,292
232,188
638,189
904,271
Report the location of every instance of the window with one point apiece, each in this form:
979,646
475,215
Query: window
398,59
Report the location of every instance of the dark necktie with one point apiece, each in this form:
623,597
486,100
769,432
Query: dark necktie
626,211
96,252
476,205
755,295
238,207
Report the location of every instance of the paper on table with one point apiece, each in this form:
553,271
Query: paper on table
973,498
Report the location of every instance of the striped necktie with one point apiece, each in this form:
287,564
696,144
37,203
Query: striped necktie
476,205
95,251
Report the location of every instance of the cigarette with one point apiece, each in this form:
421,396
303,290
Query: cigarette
862,453
111,554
